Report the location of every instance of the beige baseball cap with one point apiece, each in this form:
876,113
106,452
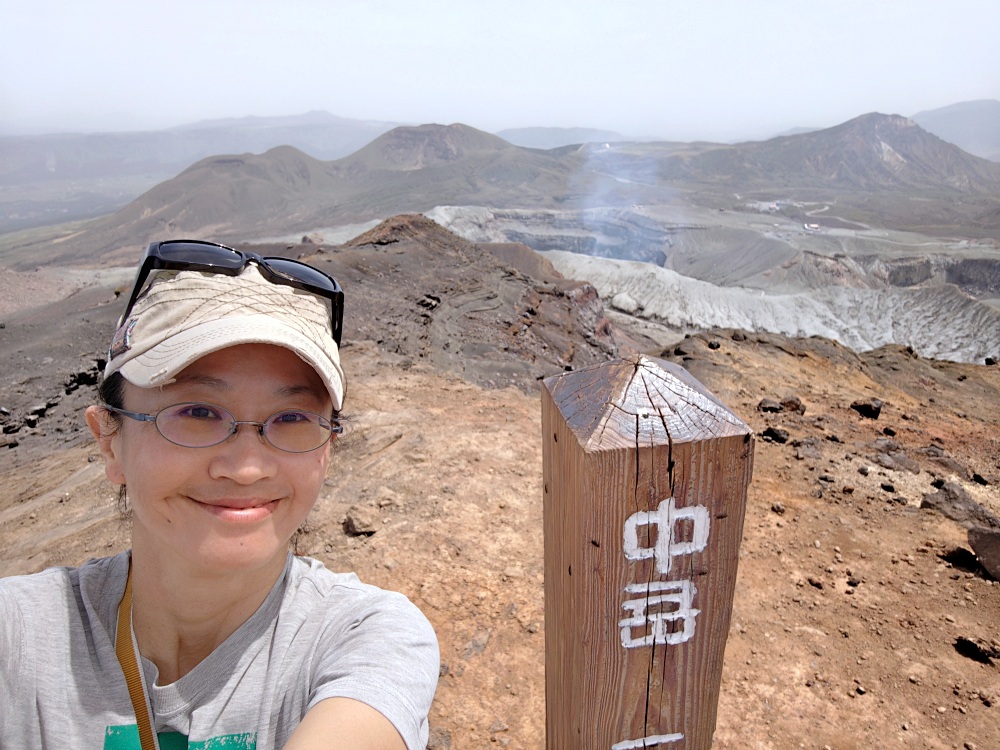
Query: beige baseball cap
183,315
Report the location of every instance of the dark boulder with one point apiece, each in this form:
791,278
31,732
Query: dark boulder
793,403
770,406
952,501
986,544
869,408
775,435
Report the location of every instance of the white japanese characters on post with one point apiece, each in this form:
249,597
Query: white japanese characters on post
656,605
651,741
649,607
644,613
645,480
665,519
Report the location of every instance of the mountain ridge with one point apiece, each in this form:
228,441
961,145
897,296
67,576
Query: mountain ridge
78,156
869,152
916,176
71,176
973,126
244,196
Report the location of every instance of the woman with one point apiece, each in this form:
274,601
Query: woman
220,399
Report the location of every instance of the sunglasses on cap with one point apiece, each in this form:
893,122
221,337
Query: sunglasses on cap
209,257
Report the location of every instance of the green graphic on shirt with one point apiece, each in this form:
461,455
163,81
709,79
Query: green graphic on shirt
126,737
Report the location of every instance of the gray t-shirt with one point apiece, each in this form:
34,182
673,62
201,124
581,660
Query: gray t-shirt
317,635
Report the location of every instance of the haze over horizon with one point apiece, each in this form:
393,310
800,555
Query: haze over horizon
678,70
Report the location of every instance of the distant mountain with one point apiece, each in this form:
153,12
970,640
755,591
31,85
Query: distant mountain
311,118
879,169
797,131
972,126
67,177
66,156
871,152
547,138
408,169
214,197
427,146
874,151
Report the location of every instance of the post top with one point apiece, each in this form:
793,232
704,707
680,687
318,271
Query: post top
639,402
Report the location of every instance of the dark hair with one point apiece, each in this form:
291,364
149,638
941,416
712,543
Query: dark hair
111,391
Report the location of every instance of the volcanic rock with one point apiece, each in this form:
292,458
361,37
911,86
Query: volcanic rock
769,405
359,522
870,408
775,435
793,404
985,542
952,501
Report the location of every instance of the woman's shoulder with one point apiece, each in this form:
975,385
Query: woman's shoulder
64,577
308,577
60,600
318,592
87,582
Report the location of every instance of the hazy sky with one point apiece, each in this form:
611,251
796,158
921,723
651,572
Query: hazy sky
683,69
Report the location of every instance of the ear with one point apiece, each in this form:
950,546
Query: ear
108,435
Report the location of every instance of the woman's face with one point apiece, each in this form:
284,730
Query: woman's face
230,506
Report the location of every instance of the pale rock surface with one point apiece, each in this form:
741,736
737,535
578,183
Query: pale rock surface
941,323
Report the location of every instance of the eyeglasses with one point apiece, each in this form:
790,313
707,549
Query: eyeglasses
197,425
195,255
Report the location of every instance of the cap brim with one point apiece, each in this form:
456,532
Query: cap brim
160,364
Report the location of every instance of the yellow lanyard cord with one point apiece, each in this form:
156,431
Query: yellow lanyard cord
126,649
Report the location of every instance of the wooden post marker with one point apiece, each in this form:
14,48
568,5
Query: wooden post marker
645,483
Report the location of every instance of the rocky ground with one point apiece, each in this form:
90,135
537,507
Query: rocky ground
860,620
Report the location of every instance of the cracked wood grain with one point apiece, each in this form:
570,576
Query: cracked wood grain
638,439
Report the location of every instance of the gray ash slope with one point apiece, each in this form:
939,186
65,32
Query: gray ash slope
940,322
865,288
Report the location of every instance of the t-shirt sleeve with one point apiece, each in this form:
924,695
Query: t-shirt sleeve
385,655
12,649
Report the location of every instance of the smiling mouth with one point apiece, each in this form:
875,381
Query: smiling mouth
246,510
